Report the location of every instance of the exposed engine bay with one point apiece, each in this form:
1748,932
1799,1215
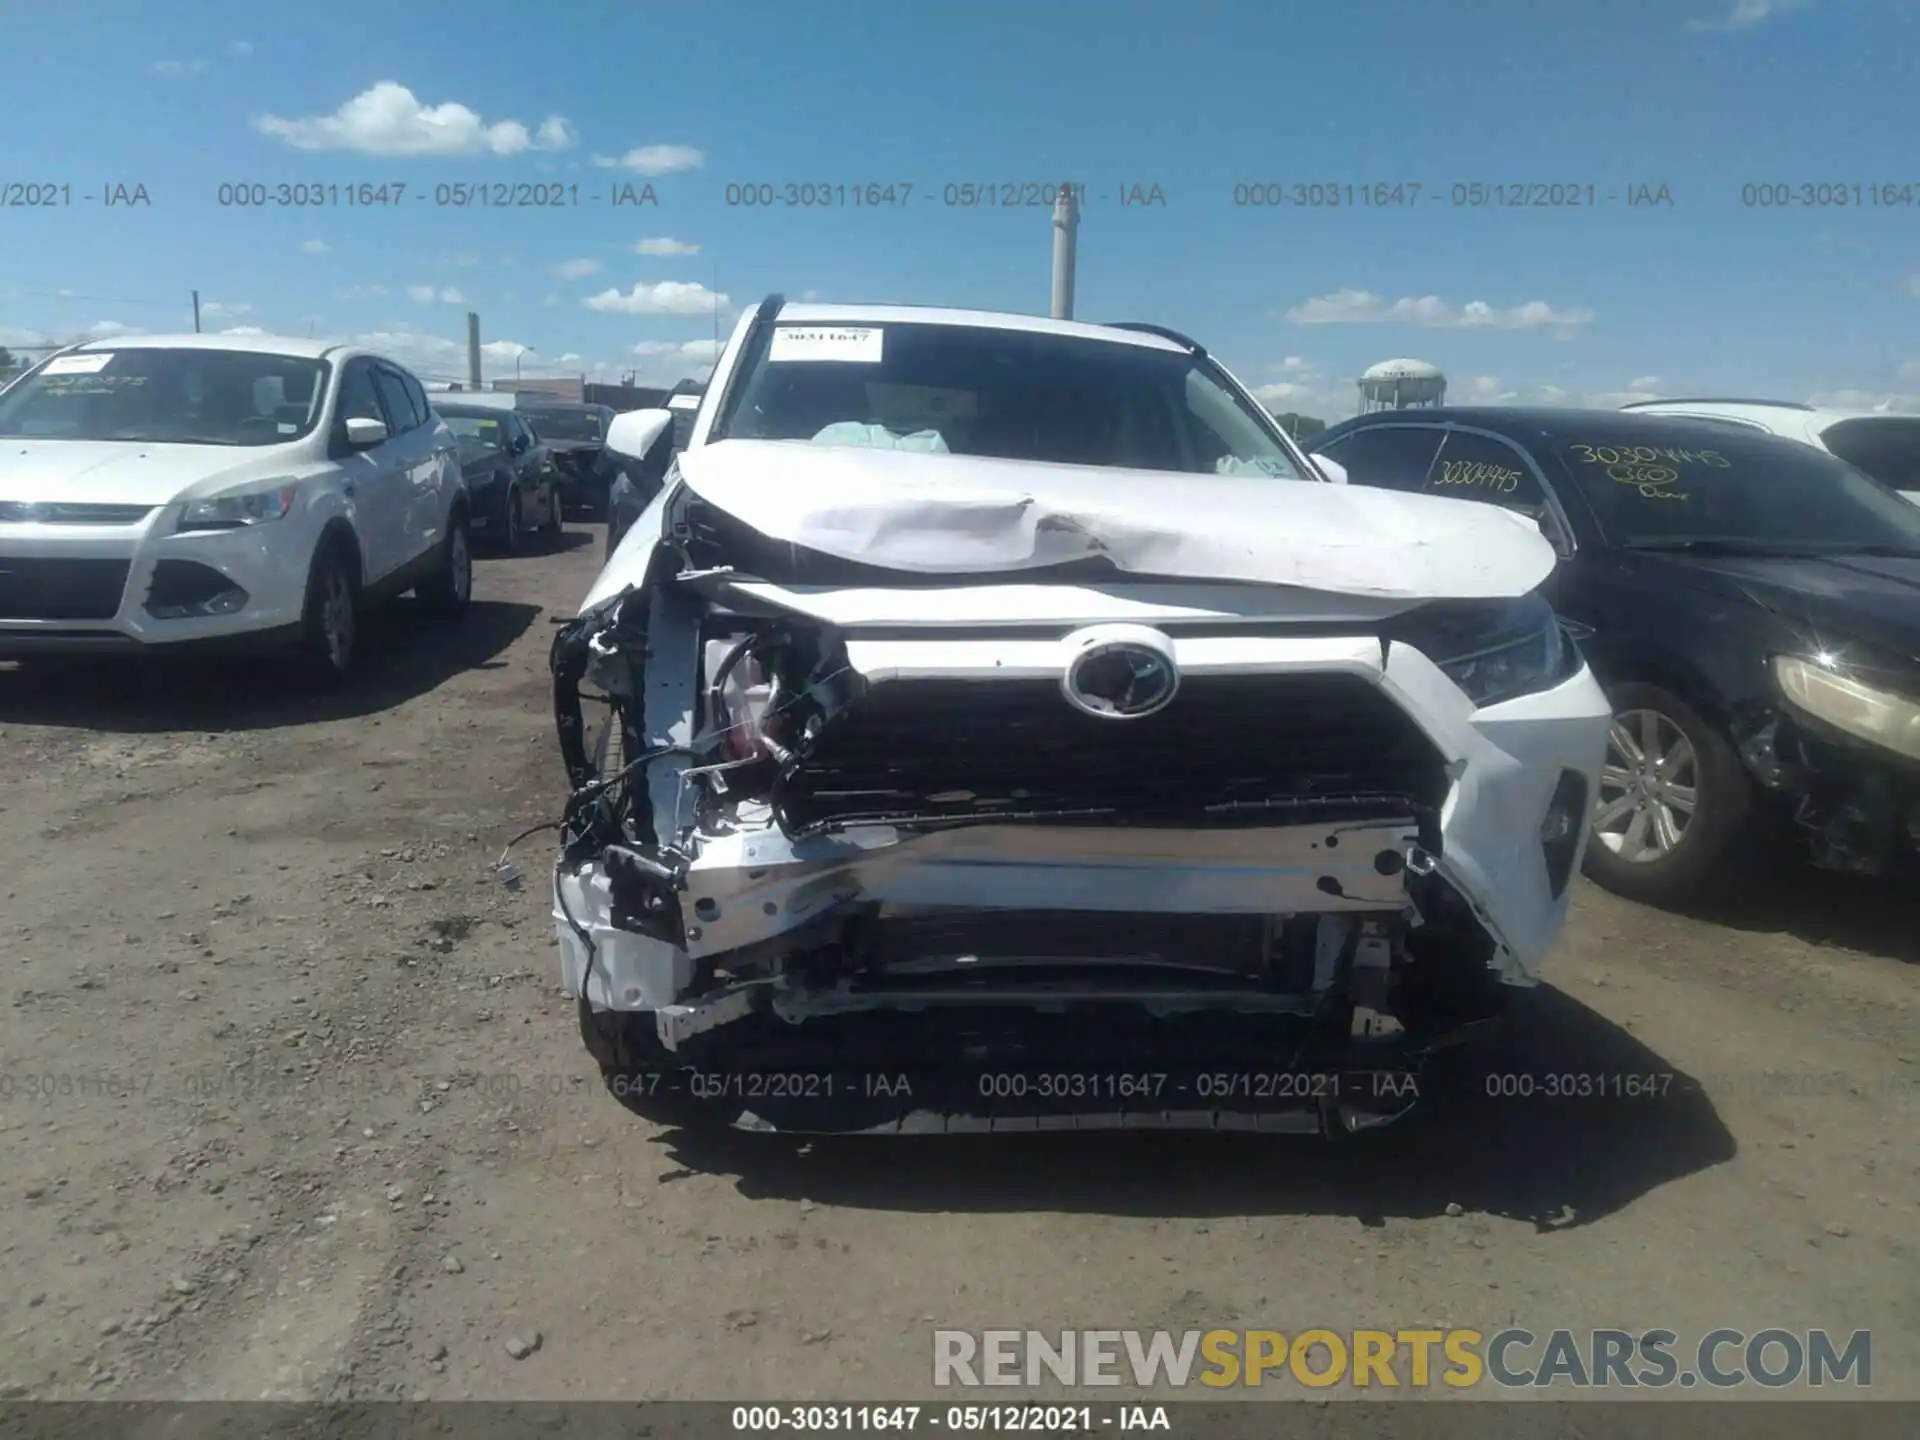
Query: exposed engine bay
818,851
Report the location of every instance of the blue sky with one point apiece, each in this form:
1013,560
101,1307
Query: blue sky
1700,295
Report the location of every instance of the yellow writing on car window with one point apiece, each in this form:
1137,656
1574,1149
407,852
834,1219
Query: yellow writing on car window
1500,478
1647,455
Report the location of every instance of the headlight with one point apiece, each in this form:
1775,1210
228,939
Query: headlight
1827,693
1493,650
230,512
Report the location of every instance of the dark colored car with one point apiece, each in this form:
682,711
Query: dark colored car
1751,605
637,479
511,477
576,436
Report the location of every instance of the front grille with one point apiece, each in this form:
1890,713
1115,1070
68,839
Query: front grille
20,512
44,589
1229,750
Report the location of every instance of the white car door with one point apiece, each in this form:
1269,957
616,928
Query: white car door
417,466
371,479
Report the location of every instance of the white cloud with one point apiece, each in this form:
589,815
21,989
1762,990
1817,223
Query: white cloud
1911,284
664,245
1286,395
106,329
243,330
224,307
437,357
1910,370
389,119
314,247
361,292
427,295
1363,307
655,159
1745,14
575,269
238,49
569,359
1644,382
665,361
181,69
506,350
669,297
460,260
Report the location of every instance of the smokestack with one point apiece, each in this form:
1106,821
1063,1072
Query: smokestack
1066,226
473,349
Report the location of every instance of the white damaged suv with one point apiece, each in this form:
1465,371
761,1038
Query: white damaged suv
1010,727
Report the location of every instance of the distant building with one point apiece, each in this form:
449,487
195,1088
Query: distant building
554,387
1402,385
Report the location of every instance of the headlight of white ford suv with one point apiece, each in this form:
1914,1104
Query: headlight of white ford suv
245,507
1827,692
1494,650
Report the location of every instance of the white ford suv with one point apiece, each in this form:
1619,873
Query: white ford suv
191,492
1884,445
1012,727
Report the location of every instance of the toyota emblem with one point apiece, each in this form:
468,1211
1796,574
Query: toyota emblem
1121,681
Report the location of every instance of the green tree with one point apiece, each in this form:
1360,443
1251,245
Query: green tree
1300,427
6,361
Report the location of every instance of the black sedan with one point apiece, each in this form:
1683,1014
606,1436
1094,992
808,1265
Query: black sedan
511,477
575,436
1751,605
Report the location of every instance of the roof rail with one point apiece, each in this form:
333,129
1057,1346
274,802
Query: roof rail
1717,400
1161,330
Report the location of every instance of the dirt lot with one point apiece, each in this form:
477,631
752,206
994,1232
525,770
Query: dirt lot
291,1105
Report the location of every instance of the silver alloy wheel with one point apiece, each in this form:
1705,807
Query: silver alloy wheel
1648,787
337,618
460,564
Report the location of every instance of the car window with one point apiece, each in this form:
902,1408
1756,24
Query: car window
1887,449
521,431
482,432
1481,467
167,396
1005,393
1665,482
423,408
358,398
1388,457
393,391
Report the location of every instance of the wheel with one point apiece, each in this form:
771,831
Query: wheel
330,619
633,1065
1672,818
448,591
512,524
555,525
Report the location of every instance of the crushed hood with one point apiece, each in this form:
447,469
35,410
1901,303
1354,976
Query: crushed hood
943,514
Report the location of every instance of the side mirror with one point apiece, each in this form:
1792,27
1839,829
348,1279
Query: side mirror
364,434
520,444
1335,472
632,432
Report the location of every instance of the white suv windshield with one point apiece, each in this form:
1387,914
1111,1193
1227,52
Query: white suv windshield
1007,394
168,397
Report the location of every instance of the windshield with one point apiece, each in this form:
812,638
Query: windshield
177,397
486,432
1651,485
1887,449
1008,394
566,424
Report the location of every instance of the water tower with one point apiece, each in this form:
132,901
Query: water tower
1402,385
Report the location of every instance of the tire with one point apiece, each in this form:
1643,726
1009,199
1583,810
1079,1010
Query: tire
1644,844
632,1061
447,593
556,525
512,524
329,644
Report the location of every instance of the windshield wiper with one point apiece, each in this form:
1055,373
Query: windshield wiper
1733,545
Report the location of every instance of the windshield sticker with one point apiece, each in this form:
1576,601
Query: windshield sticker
78,364
859,345
57,386
1502,479
1266,466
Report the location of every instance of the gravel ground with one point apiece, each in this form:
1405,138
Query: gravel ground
291,1106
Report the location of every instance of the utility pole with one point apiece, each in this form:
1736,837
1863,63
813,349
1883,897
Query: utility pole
196,312
473,349
1066,228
